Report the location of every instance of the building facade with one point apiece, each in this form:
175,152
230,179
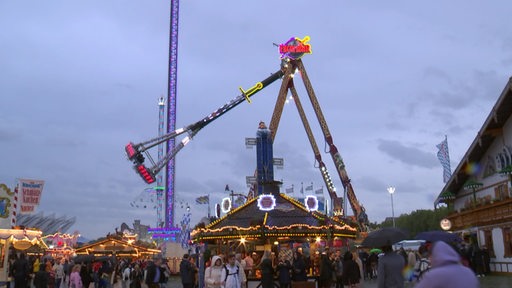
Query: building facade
480,188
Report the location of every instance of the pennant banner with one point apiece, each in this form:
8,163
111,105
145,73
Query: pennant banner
444,158
203,199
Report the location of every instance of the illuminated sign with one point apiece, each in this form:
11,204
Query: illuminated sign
266,202
295,48
311,203
226,205
445,224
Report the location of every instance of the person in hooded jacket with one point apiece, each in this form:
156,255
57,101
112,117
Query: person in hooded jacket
446,270
212,274
351,273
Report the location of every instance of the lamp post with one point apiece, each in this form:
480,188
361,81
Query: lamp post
391,190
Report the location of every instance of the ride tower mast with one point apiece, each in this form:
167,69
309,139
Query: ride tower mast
171,113
159,189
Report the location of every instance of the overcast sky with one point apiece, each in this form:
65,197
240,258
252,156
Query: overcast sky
81,79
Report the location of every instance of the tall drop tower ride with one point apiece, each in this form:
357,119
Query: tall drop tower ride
171,113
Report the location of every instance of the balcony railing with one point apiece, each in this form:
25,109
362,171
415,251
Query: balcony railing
482,214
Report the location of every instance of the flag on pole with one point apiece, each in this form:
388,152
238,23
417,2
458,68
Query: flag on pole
444,158
289,190
301,188
203,199
310,187
319,191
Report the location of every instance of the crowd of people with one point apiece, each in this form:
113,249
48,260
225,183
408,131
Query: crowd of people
104,272
432,265
233,270
437,264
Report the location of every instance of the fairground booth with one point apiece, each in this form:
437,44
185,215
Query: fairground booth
278,223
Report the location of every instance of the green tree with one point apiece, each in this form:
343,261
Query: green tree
417,221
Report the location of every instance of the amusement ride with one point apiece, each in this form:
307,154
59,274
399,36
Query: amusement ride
291,64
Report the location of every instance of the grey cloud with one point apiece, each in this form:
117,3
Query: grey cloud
408,155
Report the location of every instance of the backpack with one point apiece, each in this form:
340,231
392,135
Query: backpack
420,268
227,272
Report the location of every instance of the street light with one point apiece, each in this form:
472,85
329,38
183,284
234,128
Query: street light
391,190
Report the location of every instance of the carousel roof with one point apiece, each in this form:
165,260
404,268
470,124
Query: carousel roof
289,218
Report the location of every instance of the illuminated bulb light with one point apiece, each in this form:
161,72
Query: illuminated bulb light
311,203
226,205
266,202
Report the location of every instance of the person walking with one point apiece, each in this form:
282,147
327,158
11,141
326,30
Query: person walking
359,262
389,269
422,265
75,281
137,277
299,268
41,277
231,276
85,274
326,271
351,273
187,272
249,264
446,270
212,274
58,270
153,272
267,270
125,276
21,271
283,268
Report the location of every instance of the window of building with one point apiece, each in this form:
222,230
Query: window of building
489,243
507,241
501,191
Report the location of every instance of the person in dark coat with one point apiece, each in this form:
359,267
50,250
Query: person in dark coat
284,267
351,272
326,271
487,260
85,274
187,272
21,271
137,276
267,270
41,277
389,269
153,273
299,267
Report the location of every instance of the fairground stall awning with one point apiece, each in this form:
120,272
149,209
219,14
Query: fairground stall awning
116,246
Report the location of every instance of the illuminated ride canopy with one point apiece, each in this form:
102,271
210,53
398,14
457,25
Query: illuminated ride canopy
288,220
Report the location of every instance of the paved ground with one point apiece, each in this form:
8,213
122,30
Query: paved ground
492,281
